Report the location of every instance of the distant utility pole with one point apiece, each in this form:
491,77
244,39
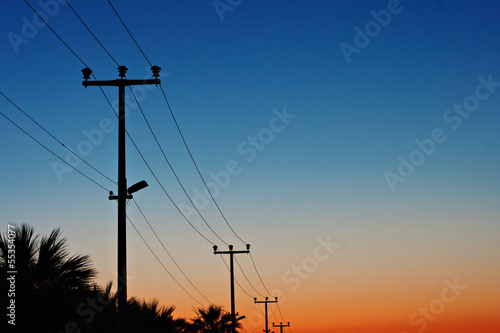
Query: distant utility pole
123,192
281,325
231,254
265,302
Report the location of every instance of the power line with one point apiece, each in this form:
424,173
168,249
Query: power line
237,262
107,99
165,191
272,311
248,327
239,285
260,278
172,169
71,7
171,112
159,240
62,41
149,167
50,151
196,165
178,128
130,34
281,315
261,311
1,113
46,131
189,152
166,270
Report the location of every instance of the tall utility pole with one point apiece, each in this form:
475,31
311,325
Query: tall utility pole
123,192
281,325
231,254
265,302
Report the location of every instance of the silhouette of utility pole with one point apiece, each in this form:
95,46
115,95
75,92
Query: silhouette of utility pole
231,254
123,192
281,325
265,302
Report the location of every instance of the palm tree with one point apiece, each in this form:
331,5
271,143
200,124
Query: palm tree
212,320
103,317
152,318
49,284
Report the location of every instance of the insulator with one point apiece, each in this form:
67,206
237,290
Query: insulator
156,71
122,70
86,73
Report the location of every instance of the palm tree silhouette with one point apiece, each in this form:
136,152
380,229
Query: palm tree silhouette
212,320
105,317
49,283
152,318
56,292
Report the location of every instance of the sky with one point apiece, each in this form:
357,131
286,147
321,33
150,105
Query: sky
353,144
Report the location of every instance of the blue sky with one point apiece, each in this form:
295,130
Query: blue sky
323,174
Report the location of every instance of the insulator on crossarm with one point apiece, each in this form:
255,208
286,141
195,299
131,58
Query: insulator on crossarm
122,70
156,71
86,73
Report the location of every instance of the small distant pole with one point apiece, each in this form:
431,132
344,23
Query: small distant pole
123,194
231,269
281,325
265,302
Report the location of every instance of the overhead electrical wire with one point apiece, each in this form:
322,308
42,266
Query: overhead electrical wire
161,263
71,7
248,327
281,315
137,148
130,34
175,262
175,121
196,166
260,278
55,33
107,99
251,285
165,191
239,285
172,169
272,311
50,151
50,134
178,129
189,151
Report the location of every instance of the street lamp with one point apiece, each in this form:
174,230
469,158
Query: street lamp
137,187
132,189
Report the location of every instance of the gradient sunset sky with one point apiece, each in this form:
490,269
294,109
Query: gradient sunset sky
356,147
